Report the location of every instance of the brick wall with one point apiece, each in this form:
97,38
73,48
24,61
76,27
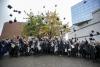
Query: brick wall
11,30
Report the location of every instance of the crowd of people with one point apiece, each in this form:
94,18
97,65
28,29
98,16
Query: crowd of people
46,46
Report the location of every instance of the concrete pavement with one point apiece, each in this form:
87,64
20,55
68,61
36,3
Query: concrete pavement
47,61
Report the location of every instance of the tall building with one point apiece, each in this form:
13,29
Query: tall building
83,10
85,18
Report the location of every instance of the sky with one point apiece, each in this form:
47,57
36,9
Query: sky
63,9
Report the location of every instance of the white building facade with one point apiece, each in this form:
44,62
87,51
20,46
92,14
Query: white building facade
82,30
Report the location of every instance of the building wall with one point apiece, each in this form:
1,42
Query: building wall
11,30
86,29
83,10
96,15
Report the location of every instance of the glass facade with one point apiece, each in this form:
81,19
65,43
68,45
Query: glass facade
83,10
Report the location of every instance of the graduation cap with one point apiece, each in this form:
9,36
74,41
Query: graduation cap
15,11
10,15
92,31
41,13
91,35
64,26
55,5
43,6
57,18
64,18
85,2
9,6
74,30
15,20
19,12
98,33
28,23
10,21
91,38
42,18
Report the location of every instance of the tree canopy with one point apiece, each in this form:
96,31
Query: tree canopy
44,25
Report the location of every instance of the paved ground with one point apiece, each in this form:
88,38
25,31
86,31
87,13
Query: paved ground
47,61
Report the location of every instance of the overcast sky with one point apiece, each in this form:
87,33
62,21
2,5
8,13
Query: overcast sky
63,9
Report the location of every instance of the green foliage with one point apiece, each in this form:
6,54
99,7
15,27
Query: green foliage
40,26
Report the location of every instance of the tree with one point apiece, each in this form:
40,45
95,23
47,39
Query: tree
34,26
55,25
44,25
